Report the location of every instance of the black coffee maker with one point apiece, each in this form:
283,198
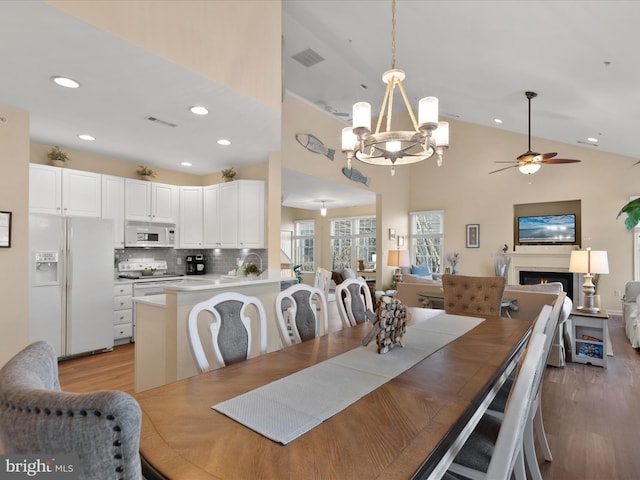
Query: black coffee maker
195,265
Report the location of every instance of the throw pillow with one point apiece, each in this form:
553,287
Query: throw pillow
421,270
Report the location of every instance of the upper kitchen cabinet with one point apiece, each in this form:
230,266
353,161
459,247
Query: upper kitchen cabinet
113,206
251,214
151,202
234,214
190,228
221,215
62,191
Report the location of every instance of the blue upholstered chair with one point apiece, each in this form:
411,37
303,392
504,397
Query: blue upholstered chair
302,314
229,325
102,428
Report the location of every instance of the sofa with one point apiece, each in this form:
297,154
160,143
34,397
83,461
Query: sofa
630,312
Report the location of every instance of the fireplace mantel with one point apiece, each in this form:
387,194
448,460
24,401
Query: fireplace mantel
553,258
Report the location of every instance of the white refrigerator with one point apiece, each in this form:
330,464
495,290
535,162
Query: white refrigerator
71,283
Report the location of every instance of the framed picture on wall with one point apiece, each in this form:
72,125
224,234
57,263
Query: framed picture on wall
5,229
473,235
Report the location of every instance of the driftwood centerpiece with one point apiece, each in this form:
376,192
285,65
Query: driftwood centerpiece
389,325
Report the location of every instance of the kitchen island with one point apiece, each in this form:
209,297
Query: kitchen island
162,352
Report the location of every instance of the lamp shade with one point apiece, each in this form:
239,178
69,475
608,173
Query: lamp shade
589,261
398,258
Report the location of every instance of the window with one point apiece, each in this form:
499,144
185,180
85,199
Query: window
304,245
427,239
352,240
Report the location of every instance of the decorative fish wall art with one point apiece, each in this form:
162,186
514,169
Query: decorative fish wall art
355,176
313,144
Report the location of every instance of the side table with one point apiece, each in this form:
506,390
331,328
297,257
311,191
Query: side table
590,335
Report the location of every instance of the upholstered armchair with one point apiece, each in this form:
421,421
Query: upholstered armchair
102,428
631,312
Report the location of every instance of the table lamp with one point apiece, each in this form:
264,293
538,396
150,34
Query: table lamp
588,262
398,258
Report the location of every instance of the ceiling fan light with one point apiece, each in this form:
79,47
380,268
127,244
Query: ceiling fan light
529,168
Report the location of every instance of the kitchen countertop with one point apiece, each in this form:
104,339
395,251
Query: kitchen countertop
159,300
194,283
206,282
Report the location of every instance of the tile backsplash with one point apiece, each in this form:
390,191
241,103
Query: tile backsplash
217,260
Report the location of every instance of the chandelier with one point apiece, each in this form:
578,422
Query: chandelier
429,136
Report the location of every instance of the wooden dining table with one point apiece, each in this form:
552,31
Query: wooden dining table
399,431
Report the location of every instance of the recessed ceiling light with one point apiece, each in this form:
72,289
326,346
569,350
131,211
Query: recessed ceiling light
198,110
84,136
224,142
497,120
591,139
186,164
65,82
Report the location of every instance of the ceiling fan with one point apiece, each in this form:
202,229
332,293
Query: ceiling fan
530,162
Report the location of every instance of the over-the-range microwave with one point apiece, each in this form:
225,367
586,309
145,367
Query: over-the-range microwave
142,234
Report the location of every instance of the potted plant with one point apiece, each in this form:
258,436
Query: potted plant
145,173
58,157
252,270
229,174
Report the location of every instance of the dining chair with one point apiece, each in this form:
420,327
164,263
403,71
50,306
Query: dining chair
475,295
229,327
302,313
353,299
323,281
494,450
102,428
546,323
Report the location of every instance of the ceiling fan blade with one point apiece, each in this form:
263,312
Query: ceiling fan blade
505,168
506,161
546,156
559,160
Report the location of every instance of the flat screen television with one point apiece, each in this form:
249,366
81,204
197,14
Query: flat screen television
547,229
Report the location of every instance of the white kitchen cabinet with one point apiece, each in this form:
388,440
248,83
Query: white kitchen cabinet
234,214
190,227
122,313
63,191
251,214
221,215
151,202
113,206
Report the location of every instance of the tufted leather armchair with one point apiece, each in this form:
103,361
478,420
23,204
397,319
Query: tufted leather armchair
102,428
475,295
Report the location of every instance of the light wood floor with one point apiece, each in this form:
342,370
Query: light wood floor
591,414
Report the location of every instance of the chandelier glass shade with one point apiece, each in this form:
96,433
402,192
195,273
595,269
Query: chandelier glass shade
384,146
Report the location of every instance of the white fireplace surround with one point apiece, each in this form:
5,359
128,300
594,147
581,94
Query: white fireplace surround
538,258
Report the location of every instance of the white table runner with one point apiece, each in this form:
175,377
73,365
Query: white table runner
287,408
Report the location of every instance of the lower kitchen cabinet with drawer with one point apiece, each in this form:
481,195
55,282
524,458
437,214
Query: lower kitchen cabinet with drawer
122,314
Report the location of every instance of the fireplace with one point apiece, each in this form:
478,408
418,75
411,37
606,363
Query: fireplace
528,277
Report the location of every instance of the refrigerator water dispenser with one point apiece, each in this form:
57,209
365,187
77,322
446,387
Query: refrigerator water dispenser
46,269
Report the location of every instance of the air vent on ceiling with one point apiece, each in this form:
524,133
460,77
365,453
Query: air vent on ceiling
308,57
162,122
588,143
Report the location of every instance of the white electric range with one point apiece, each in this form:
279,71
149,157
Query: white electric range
143,284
